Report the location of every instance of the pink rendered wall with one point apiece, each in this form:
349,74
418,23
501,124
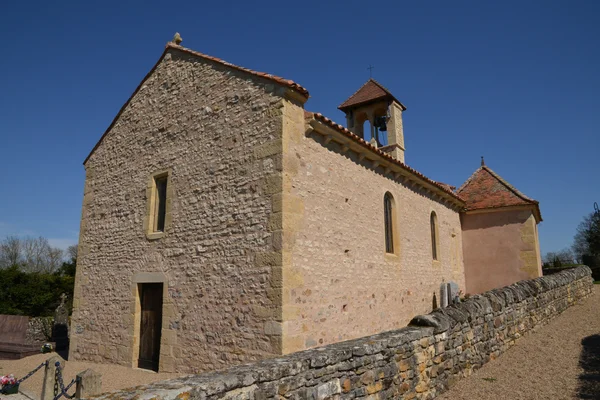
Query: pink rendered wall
499,248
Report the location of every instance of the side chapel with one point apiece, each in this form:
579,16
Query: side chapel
223,223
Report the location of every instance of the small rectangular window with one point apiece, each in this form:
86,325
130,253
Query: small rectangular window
160,204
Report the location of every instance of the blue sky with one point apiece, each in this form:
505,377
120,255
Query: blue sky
514,81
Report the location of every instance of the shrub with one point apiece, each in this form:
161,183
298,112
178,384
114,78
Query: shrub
33,294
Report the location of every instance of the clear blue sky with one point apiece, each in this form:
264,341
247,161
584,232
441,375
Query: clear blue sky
515,81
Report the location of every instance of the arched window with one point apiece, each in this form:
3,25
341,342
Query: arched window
367,131
434,235
388,218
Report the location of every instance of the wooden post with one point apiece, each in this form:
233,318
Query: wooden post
89,383
50,378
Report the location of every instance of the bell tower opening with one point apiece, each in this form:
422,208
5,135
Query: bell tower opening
375,115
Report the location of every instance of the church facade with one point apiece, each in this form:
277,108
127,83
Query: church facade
223,223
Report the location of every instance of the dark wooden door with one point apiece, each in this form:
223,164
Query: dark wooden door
151,323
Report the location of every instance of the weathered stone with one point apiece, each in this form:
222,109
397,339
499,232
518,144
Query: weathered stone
328,389
437,320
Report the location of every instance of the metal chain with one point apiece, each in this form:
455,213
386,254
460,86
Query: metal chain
56,372
33,371
59,381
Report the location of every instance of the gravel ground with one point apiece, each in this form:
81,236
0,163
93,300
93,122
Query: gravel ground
560,360
113,376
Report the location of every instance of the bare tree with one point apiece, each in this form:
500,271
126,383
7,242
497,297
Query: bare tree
54,259
32,254
558,258
34,250
39,256
10,252
72,252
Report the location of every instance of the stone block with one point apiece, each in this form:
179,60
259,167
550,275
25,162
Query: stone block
328,389
268,149
89,383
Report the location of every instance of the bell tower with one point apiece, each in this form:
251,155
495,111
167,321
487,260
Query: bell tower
375,115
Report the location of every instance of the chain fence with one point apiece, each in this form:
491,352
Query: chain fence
59,386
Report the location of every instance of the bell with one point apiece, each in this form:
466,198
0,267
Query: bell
381,124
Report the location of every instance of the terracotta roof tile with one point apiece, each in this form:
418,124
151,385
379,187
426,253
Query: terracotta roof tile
449,187
486,189
369,92
358,139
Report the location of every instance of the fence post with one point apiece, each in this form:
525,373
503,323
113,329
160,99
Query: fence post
89,383
50,378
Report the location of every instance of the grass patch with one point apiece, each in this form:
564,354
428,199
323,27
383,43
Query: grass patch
596,282
489,379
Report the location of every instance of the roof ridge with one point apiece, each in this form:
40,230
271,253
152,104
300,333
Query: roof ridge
286,82
381,86
354,94
469,179
508,185
355,99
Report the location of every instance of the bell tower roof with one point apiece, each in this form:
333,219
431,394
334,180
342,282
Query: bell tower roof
370,92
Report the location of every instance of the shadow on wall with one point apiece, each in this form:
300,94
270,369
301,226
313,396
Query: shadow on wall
589,380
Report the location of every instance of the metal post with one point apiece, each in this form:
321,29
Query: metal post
89,383
50,378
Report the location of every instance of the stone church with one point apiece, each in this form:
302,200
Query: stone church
224,223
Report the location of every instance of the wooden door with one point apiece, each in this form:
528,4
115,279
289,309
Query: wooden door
151,323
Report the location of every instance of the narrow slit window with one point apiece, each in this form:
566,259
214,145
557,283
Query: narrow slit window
388,210
160,205
434,235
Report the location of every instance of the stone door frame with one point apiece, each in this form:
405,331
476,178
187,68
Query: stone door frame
166,341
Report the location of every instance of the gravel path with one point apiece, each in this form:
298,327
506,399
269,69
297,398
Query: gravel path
561,360
113,376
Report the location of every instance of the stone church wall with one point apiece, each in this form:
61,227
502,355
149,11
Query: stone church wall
500,248
219,134
416,362
339,282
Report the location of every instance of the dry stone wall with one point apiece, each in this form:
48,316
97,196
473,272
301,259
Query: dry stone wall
416,362
39,330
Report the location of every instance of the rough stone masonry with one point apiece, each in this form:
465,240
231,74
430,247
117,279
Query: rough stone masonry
416,362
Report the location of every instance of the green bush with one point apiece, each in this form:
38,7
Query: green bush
33,294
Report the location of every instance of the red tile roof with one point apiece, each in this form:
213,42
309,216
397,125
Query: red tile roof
282,81
486,189
367,93
358,139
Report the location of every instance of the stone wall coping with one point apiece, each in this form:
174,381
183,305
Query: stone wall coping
444,319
